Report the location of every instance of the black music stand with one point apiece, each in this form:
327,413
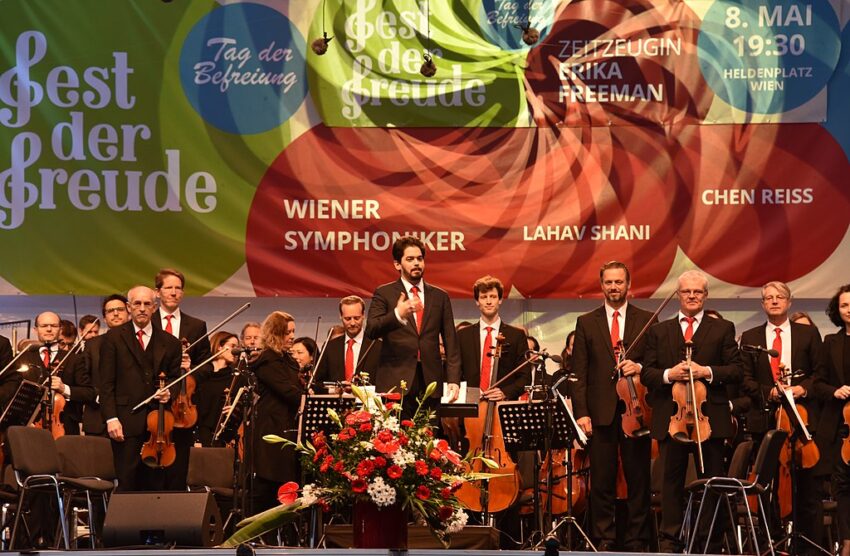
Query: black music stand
314,413
24,405
546,425
795,539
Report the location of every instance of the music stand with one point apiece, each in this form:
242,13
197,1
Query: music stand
546,425
24,405
314,413
800,432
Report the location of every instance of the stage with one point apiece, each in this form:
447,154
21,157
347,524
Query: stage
304,551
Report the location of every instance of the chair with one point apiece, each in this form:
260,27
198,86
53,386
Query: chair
727,488
87,468
37,466
212,469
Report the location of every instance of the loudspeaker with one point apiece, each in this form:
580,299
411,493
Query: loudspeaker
159,518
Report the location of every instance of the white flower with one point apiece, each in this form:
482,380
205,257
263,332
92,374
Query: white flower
309,494
457,522
391,424
381,493
403,457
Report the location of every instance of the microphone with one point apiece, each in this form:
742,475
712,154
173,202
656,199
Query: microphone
543,354
758,349
247,350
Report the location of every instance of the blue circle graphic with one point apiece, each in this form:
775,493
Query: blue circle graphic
500,19
243,68
768,56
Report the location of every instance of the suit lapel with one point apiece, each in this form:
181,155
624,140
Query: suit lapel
158,351
133,344
677,340
604,331
701,335
426,312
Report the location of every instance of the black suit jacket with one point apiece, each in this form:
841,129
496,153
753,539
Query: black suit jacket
127,377
88,374
593,362
758,376
513,355
10,379
192,329
332,366
402,343
714,346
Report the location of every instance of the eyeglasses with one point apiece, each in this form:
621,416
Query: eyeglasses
774,298
692,293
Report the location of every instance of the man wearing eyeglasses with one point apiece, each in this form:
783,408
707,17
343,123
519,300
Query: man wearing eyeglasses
132,356
716,362
798,347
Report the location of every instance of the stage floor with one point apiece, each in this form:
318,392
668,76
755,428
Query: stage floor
308,552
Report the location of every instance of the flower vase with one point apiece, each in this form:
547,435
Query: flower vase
379,527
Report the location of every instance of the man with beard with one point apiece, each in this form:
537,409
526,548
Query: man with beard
411,317
599,336
352,353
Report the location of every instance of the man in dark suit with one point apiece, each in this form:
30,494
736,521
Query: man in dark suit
716,362
597,409
67,382
169,290
411,317
115,313
7,384
131,358
352,353
798,347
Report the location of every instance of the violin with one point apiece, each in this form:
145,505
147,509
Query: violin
484,434
688,423
845,444
184,410
636,413
159,451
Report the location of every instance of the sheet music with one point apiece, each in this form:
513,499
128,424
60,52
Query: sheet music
789,397
582,437
461,398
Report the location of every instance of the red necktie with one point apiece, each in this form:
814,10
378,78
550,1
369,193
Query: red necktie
615,329
689,331
486,360
46,358
349,360
415,291
168,324
140,335
774,361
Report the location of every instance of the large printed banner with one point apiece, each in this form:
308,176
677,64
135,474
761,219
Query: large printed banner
209,136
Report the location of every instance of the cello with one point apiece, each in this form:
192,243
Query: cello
636,413
159,451
485,440
688,423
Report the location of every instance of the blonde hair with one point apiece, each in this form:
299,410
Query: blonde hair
274,330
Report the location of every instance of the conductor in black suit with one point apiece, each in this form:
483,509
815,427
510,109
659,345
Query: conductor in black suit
352,353
169,290
411,317
598,409
716,362
131,359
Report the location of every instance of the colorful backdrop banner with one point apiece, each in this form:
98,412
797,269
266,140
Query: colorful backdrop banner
210,137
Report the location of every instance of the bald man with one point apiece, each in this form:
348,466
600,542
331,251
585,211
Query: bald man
132,355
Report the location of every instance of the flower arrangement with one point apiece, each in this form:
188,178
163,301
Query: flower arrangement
375,456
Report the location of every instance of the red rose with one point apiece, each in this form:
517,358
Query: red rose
388,448
358,485
380,461
346,434
403,440
423,492
436,473
394,471
406,423
421,467
446,512
365,468
385,436
442,445
445,493
358,417
365,427
287,493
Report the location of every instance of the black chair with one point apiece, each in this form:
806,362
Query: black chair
727,489
212,469
37,467
87,469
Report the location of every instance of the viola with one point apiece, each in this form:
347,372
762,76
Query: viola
637,414
484,434
688,423
159,451
184,410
